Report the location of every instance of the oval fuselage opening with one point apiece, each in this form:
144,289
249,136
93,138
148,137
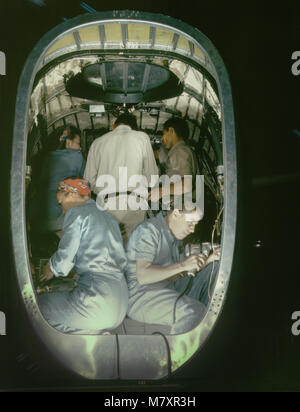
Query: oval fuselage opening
84,73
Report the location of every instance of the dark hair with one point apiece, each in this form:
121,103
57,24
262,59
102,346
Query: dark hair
128,119
71,133
179,125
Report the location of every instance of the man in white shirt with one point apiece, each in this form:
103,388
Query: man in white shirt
122,153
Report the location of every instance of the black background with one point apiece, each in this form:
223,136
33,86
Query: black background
252,347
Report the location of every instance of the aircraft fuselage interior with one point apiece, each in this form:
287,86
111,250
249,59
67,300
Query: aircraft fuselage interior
85,73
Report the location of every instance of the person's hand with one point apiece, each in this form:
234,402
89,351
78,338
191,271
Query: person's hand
178,276
214,256
155,194
194,262
47,274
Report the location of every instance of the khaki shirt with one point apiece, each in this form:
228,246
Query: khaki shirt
180,160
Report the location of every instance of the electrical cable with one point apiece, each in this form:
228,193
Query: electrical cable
87,7
168,352
213,248
118,357
123,327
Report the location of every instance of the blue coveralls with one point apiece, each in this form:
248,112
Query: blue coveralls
46,213
158,303
91,243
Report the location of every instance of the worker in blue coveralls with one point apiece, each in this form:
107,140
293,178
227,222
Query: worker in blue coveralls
65,159
156,273
91,243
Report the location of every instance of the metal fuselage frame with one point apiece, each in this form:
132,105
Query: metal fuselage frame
139,356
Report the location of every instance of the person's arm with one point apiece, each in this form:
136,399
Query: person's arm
178,188
162,154
147,273
63,260
47,274
144,242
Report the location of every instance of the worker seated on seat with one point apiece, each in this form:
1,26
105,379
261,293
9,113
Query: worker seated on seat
157,275
91,243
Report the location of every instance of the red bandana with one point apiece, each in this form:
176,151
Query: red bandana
80,186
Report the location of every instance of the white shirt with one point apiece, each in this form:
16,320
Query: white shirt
121,148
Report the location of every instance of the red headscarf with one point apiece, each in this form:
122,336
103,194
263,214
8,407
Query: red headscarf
80,186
